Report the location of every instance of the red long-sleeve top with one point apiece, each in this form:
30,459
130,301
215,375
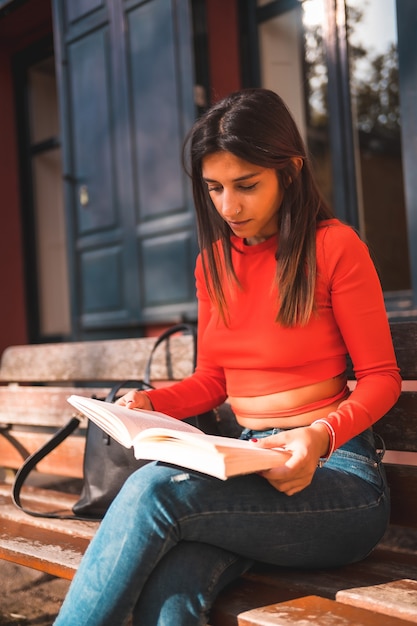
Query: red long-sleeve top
254,355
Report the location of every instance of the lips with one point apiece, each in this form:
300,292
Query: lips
238,224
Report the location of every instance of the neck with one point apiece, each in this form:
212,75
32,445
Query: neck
253,241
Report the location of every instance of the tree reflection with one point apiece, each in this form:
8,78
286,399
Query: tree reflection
373,78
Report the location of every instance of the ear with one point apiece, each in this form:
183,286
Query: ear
298,163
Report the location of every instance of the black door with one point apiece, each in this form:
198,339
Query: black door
126,101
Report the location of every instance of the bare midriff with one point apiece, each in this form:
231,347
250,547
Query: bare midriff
291,408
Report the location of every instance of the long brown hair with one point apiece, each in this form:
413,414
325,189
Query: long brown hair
255,125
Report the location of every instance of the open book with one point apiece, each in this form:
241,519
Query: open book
156,436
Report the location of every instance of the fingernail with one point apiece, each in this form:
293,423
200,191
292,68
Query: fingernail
254,440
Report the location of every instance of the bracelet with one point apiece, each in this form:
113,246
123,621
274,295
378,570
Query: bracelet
332,436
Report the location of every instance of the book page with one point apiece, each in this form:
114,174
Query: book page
124,424
217,456
204,441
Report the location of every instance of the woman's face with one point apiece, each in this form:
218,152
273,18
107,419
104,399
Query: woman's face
245,195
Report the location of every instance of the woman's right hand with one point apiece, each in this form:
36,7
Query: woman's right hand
307,444
135,399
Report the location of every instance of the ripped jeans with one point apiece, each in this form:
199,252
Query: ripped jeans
173,538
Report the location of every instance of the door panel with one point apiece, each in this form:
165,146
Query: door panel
99,267
161,86
103,247
90,89
156,103
164,281
77,9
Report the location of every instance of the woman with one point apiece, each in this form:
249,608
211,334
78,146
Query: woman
285,291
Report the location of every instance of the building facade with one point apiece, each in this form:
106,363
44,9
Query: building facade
97,96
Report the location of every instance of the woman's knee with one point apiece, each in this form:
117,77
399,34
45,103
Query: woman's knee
157,485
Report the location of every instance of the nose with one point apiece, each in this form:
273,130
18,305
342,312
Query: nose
229,204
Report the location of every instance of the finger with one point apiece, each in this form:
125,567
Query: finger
289,488
123,401
288,483
128,399
273,441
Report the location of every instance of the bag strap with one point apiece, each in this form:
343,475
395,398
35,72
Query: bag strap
34,459
139,384
164,336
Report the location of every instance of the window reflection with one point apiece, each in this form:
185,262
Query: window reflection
293,64
317,116
372,39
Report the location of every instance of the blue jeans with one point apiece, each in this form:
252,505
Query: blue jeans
173,538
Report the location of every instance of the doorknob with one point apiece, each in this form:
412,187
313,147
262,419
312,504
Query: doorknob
83,196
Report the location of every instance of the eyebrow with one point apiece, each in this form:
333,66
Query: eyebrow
235,180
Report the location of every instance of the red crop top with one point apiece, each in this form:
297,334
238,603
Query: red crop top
254,355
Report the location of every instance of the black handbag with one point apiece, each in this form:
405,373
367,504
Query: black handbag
107,464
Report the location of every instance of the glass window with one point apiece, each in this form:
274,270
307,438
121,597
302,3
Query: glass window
315,97
373,61
293,63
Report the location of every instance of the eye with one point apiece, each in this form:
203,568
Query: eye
215,188
248,187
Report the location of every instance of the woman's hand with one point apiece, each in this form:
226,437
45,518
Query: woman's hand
135,400
307,445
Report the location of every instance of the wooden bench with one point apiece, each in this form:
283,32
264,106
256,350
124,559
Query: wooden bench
35,381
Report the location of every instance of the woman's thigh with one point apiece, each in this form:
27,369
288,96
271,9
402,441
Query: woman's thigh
338,519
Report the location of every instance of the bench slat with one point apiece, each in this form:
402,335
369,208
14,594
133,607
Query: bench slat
403,485
66,460
108,360
45,500
52,552
398,427
299,611
380,569
404,335
41,406
50,545
397,598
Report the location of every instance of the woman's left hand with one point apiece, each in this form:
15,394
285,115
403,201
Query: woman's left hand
307,445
